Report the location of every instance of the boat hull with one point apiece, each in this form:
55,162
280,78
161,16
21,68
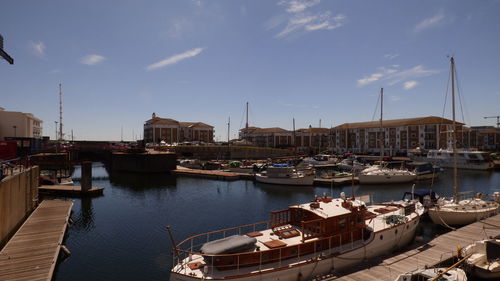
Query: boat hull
321,263
449,216
305,180
381,179
448,163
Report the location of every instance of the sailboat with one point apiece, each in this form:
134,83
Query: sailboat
455,211
380,174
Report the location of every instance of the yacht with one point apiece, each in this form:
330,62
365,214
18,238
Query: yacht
298,243
466,159
285,174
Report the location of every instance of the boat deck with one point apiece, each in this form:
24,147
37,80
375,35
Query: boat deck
428,254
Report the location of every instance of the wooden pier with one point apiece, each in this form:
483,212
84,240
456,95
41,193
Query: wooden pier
211,174
429,254
31,254
69,190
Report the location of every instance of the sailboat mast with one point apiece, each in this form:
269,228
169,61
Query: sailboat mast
228,128
381,128
293,141
246,126
60,113
454,140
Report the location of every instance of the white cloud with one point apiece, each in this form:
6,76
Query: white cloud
429,22
178,27
393,75
409,84
175,59
296,6
391,56
38,49
299,17
92,59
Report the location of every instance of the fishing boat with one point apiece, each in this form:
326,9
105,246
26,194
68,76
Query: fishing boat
455,211
381,174
284,174
484,260
466,158
424,274
302,241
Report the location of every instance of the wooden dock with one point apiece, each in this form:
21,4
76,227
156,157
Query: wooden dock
211,174
31,254
429,254
70,190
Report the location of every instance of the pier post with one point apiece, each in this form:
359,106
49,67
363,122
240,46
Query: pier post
86,176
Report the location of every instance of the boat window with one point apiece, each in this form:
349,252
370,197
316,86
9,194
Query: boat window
472,156
342,223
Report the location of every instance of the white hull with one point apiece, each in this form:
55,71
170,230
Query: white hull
478,262
453,214
301,180
320,263
448,163
381,179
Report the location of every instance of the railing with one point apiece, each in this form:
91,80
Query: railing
12,166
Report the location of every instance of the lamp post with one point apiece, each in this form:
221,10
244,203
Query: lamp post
15,130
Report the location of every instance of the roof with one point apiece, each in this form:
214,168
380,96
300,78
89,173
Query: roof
269,131
194,125
397,123
250,128
328,209
158,120
314,130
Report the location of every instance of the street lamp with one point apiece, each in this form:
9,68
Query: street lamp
15,131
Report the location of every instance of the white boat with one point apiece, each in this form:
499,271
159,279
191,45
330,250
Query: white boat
484,261
380,175
455,211
298,243
424,274
466,159
284,174
425,170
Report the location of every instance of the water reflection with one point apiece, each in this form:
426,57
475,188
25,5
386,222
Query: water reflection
84,220
140,182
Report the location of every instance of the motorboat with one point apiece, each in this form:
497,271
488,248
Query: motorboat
484,260
425,170
426,197
457,210
298,243
379,174
351,165
466,158
285,174
240,167
424,274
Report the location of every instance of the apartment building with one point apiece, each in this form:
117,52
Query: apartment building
172,131
15,124
399,135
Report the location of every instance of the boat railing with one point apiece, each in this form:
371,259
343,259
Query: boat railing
184,260
194,243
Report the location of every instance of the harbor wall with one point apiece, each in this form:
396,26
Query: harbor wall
143,162
18,198
209,152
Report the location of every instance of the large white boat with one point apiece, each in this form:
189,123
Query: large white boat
298,243
454,211
380,175
484,259
285,174
466,159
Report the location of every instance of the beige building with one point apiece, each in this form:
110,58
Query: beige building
172,131
19,125
399,135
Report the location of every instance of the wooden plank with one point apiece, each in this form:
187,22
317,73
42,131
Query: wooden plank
429,254
32,252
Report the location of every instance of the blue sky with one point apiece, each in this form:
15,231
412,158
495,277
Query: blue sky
120,61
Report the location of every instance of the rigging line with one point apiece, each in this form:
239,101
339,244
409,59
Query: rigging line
459,90
376,107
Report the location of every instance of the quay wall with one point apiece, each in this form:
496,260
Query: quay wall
212,152
143,162
18,198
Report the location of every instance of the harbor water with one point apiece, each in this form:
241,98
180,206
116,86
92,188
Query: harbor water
122,235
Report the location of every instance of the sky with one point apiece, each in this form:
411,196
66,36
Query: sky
202,60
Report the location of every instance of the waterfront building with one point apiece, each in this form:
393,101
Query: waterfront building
399,135
15,124
172,131
482,137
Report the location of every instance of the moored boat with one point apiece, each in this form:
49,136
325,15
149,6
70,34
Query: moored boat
484,259
302,241
284,174
381,175
424,274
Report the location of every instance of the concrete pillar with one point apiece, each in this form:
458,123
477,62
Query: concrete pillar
86,176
